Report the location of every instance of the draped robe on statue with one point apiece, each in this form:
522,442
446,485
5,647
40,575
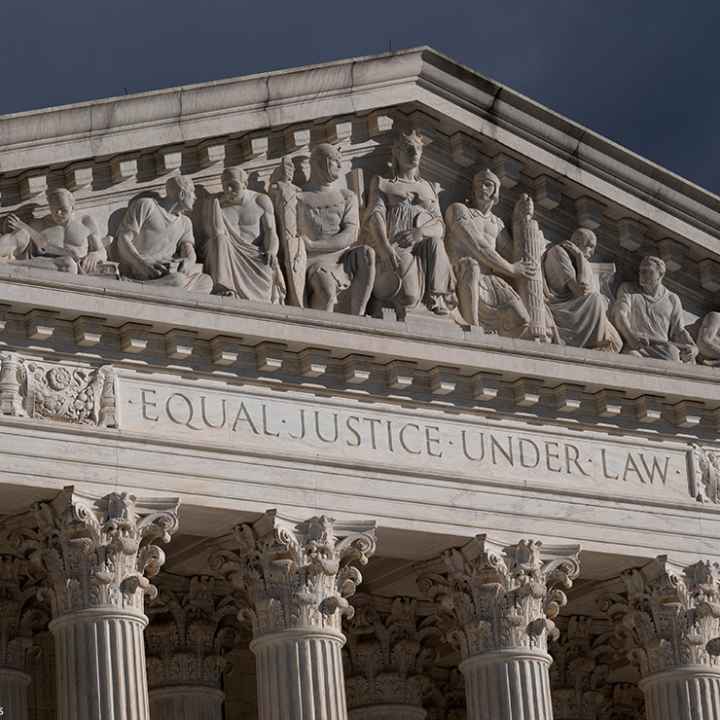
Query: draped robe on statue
238,263
581,318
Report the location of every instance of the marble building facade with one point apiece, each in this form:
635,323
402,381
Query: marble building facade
363,391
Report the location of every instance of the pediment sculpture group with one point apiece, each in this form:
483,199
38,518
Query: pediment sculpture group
309,247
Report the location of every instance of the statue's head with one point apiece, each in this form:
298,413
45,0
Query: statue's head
486,188
585,240
181,191
652,271
407,151
234,182
287,168
61,204
325,164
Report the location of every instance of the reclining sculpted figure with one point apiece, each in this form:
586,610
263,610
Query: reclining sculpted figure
63,240
405,228
155,241
650,317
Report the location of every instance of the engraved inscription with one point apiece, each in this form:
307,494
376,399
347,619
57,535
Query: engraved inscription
468,447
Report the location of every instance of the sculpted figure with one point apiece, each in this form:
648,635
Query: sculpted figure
284,196
579,310
650,317
327,225
242,243
63,240
479,246
709,339
155,241
405,227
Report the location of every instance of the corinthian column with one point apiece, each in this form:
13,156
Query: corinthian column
668,624
496,605
20,616
98,557
388,658
185,639
293,579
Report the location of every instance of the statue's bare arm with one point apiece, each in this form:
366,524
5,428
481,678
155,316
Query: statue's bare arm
458,221
267,223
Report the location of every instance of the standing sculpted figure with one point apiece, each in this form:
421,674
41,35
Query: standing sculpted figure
405,227
155,241
479,246
284,194
650,317
63,240
327,225
579,310
242,243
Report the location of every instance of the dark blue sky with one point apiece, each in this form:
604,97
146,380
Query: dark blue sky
641,72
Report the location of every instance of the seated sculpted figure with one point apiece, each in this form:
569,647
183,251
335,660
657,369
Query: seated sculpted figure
650,317
328,225
479,244
708,339
155,241
242,243
579,310
405,227
63,240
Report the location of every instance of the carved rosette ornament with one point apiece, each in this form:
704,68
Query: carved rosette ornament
98,554
185,640
497,605
85,396
388,657
293,580
668,624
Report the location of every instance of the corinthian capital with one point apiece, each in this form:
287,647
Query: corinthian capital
668,617
190,629
296,575
100,552
389,653
20,613
493,598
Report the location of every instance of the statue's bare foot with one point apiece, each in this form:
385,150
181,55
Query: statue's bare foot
439,306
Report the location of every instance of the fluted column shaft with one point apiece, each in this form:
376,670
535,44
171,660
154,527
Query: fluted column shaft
300,675
14,693
508,685
293,579
98,554
186,702
688,693
497,605
101,665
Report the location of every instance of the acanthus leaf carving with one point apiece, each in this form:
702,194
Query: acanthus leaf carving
493,598
100,552
189,632
389,653
668,617
291,575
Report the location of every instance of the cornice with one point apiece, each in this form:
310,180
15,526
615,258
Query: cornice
59,136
